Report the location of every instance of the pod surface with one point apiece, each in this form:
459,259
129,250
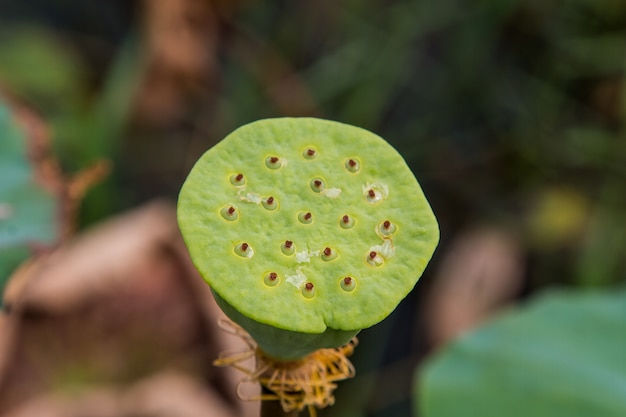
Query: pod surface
307,224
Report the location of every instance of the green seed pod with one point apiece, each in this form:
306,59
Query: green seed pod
337,275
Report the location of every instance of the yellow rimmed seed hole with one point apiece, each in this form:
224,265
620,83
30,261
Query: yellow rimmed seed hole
288,247
347,284
387,228
353,165
271,279
244,250
229,213
273,162
308,290
317,185
373,196
374,259
347,222
328,254
309,152
305,217
270,203
238,180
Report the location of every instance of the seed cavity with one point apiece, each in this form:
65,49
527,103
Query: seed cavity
271,279
308,290
347,284
375,192
378,254
305,217
347,222
287,247
273,162
309,153
353,165
270,203
387,228
244,250
238,180
328,254
229,213
374,259
317,185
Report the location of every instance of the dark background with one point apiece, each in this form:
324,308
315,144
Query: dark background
510,114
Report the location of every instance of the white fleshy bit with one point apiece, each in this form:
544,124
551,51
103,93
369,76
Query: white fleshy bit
305,256
386,250
249,253
332,192
296,279
250,197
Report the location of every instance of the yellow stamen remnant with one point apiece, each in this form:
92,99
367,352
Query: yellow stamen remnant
305,383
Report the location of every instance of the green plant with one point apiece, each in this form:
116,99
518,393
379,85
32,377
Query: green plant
307,231
28,211
562,355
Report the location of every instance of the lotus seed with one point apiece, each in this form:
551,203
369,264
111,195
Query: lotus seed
308,290
374,259
348,284
317,185
287,247
271,279
353,165
270,203
237,179
244,250
373,196
309,153
328,254
229,213
387,228
305,218
273,162
346,222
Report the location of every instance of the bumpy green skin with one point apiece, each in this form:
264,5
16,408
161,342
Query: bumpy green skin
381,189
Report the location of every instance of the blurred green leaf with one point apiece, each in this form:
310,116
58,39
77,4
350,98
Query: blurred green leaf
563,355
27,211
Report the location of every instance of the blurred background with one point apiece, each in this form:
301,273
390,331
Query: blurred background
510,113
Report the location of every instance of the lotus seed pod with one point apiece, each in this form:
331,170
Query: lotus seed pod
349,239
